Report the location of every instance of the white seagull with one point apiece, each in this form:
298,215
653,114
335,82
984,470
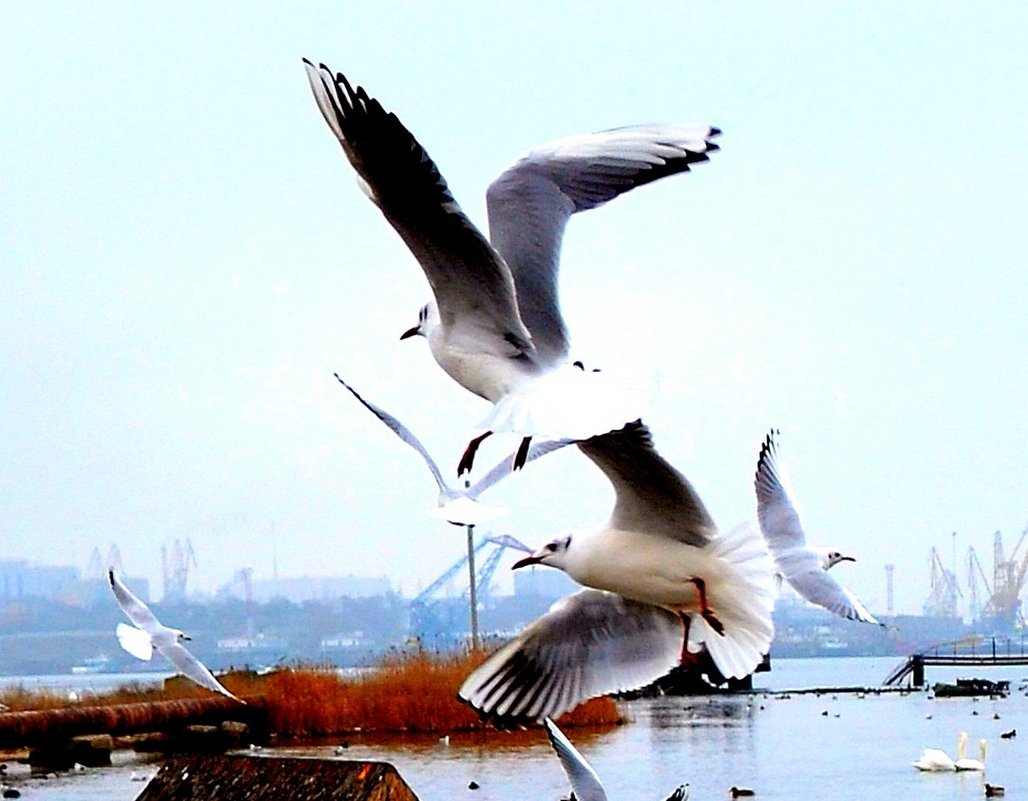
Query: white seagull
665,582
585,784
495,324
458,506
147,633
804,567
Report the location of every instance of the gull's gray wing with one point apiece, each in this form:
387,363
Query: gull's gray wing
506,467
818,587
473,288
776,510
585,784
651,495
403,433
588,644
192,668
136,611
531,202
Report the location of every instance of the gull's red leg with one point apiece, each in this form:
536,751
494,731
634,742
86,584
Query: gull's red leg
468,459
709,616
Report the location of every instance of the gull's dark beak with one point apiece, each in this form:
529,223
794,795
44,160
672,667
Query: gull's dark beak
528,560
186,637
411,332
847,559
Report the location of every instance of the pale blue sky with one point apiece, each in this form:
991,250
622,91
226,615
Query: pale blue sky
187,259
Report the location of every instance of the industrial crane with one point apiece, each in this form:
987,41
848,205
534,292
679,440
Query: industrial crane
942,602
439,621
1008,578
176,562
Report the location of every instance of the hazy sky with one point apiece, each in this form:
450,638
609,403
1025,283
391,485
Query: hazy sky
187,259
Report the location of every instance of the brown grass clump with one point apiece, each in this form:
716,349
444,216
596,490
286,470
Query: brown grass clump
408,693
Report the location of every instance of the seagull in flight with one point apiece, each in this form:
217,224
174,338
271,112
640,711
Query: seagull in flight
495,325
585,784
803,566
663,583
147,633
460,507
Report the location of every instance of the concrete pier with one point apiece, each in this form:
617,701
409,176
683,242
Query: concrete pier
239,777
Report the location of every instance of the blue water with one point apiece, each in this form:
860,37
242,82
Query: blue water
782,747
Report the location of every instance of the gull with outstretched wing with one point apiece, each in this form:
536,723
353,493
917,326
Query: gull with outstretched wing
147,633
803,566
495,325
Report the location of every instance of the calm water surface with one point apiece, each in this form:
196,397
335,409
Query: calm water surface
783,747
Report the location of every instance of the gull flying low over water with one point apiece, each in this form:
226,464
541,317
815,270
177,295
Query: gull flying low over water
495,324
585,784
803,566
664,584
458,506
147,633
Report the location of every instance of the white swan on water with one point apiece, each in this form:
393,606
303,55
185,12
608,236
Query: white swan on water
965,762
935,760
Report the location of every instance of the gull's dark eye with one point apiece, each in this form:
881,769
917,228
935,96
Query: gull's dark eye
551,546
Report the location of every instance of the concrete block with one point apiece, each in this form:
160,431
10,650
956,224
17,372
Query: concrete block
239,777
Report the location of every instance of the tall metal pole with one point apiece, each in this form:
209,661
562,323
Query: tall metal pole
473,591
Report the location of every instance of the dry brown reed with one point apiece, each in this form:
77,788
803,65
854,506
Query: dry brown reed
415,692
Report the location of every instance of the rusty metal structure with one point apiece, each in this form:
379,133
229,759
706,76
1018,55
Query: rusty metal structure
40,727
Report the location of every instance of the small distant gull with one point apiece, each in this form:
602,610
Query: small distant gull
147,633
495,324
803,566
458,506
585,784
664,584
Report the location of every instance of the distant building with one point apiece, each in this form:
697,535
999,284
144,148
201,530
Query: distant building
19,579
311,588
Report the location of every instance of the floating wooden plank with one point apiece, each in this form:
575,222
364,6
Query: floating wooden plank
241,777
25,729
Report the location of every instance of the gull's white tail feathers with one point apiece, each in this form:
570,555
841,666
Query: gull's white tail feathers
743,601
136,641
570,403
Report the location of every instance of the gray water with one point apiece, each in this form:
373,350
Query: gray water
782,747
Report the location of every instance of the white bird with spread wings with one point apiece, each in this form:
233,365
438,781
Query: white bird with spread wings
147,633
495,325
803,566
460,507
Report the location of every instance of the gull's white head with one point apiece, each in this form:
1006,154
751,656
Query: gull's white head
428,319
832,558
554,553
181,635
